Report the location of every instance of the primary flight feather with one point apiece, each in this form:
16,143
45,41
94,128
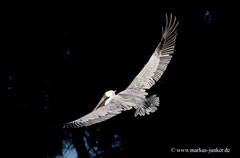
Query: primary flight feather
135,95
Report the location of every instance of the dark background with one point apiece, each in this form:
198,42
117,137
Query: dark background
104,48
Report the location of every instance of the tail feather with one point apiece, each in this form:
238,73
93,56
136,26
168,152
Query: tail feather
154,100
152,103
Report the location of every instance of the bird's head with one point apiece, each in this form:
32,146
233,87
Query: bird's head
107,97
109,93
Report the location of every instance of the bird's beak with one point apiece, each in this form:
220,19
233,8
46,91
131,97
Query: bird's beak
100,102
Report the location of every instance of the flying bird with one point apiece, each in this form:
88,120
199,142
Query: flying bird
135,95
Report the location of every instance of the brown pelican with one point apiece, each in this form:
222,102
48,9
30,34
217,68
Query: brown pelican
135,95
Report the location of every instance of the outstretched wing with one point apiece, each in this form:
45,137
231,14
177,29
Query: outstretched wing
113,108
150,74
160,59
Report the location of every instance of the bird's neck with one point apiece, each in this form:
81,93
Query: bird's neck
109,99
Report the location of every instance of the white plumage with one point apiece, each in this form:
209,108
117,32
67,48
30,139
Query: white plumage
135,94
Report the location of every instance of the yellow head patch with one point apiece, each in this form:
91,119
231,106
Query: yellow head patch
110,93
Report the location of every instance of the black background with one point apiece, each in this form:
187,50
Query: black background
109,45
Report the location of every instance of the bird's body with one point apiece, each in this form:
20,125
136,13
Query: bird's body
135,95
